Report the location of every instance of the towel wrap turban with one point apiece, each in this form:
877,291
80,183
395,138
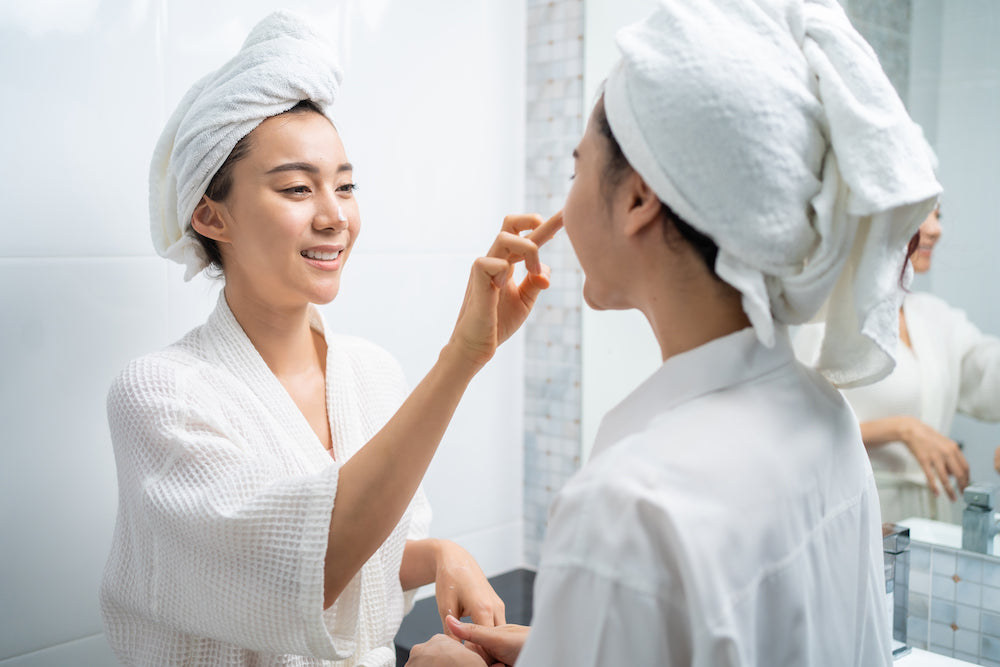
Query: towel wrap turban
769,126
282,62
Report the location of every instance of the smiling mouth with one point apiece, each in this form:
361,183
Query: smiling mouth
325,256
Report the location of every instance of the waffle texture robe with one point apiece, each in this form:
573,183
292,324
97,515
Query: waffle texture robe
225,498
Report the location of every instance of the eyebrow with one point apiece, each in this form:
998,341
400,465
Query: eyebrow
576,154
307,167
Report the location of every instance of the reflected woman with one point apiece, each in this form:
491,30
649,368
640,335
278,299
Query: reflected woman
269,470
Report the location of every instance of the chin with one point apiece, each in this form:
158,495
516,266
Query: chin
324,294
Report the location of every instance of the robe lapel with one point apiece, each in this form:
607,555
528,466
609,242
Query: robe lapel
237,353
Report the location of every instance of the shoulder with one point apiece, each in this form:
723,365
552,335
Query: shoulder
367,367
924,302
159,377
616,519
365,355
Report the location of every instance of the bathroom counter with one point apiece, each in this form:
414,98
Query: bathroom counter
919,658
939,533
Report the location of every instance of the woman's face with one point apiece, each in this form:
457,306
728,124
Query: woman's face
587,219
291,211
930,233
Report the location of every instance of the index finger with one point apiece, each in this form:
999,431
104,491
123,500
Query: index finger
544,232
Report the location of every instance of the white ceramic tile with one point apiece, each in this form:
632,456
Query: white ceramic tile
408,304
79,141
188,303
69,326
438,144
90,651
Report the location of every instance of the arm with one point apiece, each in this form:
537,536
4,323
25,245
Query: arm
938,455
390,466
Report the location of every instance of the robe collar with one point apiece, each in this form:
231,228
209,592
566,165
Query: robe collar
235,351
721,363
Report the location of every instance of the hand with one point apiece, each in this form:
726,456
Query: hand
499,645
939,456
495,305
441,651
462,589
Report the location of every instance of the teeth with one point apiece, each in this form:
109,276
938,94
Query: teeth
314,254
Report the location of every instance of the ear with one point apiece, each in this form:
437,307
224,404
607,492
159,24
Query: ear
209,220
643,205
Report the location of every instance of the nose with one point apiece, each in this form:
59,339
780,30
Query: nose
330,214
931,227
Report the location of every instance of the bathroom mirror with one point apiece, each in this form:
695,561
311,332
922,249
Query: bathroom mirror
944,61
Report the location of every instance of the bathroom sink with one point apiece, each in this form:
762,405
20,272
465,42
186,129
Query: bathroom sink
919,658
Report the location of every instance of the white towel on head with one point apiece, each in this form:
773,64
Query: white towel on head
770,126
282,62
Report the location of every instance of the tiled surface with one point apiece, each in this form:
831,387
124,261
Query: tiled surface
68,327
954,606
552,342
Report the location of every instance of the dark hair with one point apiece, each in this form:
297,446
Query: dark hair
222,182
616,169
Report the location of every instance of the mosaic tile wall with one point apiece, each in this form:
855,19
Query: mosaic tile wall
954,603
552,351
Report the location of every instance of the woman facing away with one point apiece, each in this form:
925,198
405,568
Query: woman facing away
723,187
269,502
945,365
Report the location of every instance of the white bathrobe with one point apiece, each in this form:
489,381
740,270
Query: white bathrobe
728,517
954,368
225,497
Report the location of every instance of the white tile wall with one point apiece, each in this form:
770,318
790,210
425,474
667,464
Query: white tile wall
432,116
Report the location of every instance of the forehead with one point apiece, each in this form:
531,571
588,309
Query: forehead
306,136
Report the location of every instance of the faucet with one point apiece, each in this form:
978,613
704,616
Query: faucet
978,523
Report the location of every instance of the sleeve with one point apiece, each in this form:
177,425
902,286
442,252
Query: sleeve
609,590
979,385
232,548
584,619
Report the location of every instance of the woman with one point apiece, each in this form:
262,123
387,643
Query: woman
728,515
944,365
268,468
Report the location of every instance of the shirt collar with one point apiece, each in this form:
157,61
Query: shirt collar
723,362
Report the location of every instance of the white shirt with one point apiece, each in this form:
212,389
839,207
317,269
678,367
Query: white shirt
728,517
225,497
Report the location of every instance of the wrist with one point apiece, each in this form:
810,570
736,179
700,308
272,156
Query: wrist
905,428
455,359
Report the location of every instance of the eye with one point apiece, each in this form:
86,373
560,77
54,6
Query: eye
297,190
572,176
348,188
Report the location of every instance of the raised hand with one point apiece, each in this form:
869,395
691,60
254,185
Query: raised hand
495,305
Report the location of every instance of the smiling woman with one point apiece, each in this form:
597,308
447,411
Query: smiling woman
269,471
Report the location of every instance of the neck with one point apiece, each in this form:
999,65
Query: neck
695,316
281,335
